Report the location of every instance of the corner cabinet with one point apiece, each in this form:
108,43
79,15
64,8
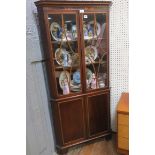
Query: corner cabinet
75,39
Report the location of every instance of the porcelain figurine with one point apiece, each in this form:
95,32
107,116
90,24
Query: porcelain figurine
65,87
74,31
87,83
65,59
76,77
93,82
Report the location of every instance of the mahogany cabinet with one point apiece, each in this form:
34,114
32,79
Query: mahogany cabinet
75,41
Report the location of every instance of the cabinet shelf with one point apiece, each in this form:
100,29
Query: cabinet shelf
60,68
70,94
97,63
95,39
64,41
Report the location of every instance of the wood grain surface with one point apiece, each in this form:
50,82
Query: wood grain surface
123,104
101,147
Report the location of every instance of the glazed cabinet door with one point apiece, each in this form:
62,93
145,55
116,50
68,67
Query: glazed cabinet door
63,27
98,114
95,48
72,121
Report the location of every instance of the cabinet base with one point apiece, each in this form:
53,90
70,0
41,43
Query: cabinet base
108,137
62,150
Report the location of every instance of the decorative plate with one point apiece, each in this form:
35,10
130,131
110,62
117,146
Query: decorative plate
91,23
56,31
63,76
90,54
75,83
74,87
89,30
63,57
75,59
76,77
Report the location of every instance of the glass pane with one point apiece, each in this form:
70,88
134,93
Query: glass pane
55,22
95,50
63,28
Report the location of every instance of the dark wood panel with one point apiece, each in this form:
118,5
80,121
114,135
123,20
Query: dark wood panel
98,113
72,120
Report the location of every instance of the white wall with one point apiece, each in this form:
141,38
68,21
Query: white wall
119,53
39,130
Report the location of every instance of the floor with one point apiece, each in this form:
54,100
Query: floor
101,147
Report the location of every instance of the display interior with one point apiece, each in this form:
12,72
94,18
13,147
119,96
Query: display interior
95,48
65,41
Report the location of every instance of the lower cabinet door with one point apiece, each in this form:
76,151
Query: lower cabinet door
98,114
72,120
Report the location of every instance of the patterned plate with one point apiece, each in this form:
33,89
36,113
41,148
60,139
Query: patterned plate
76,77
56,31
63,57
89,30
64,76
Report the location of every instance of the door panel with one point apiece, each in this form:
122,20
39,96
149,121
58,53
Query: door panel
98,113
72,120
95,50
65,50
